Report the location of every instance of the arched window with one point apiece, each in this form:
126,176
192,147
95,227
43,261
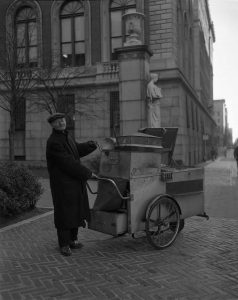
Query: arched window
117,9
26,37
72,34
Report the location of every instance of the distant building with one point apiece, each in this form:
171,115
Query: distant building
224,133
229,137
220,114
177,42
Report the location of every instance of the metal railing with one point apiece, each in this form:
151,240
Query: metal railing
112,182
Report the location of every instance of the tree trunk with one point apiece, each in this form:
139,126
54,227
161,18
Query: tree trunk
11,135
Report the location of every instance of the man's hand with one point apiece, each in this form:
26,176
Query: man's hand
94,176
92,144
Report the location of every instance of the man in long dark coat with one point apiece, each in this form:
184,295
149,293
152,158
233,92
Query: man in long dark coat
236,155
68,182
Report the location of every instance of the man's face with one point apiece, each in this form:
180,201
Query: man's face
59,124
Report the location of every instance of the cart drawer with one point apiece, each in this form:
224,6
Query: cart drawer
188,174
184,187
186,181
113,223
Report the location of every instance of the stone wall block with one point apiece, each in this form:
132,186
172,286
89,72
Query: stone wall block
131,110
130,70
131,90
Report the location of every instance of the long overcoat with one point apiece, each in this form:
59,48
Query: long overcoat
236,153
68,179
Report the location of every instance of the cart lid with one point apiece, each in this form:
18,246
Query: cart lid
168,135
134,142
139,139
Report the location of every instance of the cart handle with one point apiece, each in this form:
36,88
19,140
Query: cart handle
112,182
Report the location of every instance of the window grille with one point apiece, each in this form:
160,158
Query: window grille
20,115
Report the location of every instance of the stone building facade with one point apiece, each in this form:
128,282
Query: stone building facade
224,133
87,38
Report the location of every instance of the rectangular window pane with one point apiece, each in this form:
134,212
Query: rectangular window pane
65,30
66,49
32,32
66,55
21,57
32,54
116,43
79,28
20,35
79,48
116,29
80,54
67,60
79,59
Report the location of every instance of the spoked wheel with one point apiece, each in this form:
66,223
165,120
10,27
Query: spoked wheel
162,222
181,225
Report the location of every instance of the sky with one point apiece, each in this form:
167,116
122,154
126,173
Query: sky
224,14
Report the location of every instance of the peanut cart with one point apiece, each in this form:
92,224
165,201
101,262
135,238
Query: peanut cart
138,190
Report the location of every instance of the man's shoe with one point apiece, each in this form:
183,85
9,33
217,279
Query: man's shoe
66,251
75,245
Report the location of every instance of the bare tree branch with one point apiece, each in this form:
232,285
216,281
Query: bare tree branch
16,80
53,83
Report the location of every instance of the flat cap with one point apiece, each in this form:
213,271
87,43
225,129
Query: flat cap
55,116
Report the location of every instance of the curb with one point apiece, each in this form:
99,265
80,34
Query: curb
26,221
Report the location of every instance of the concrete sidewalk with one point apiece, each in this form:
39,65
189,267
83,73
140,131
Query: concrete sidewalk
201,264
221,188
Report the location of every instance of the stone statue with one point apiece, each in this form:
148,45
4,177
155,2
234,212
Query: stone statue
153,102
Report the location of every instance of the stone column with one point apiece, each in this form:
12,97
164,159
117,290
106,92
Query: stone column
134,59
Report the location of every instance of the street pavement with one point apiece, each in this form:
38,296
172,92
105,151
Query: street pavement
201,264
221,188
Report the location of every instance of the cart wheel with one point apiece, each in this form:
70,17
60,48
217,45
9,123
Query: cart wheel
181,225
162,222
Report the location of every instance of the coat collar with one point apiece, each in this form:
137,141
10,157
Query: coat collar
63,132
68,141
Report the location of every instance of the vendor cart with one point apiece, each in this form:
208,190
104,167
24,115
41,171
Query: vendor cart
138,190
